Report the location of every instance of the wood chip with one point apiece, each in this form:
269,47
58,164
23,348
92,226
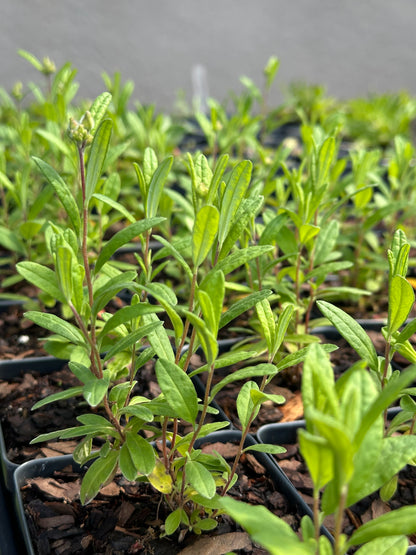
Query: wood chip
56,490
255,465
56,521
124,513
293,408
227,450
218,545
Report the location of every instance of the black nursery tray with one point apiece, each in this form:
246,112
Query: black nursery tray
45,468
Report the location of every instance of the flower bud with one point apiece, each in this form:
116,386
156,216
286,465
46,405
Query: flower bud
48,66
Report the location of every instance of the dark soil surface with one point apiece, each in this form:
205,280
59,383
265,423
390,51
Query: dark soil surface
126,517
20,425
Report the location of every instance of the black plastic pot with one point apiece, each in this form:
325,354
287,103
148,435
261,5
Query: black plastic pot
10,369
287,432
46,467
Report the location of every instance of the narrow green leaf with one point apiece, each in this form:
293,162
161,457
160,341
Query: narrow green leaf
263,369
266,448
156,186
97,475
204,232
63,191
173,521
98,108
216,178
66,394
57,325
400,521
392,545
116,205
351,331
206,338
245,405
126,314
137,456
401,300
132,338
235,190
159,339
178,389
96,158
267,322
64,270
265,528
95,390
122,237
41,277
242,306
240,257
201,479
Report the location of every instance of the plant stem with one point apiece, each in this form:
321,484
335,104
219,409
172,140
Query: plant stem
187,323
338,520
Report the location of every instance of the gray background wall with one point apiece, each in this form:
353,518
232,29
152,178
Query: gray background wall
352,46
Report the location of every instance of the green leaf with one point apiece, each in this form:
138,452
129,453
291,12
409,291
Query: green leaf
211,297
216,178
122,237
137,456
263,369
63,191
132,338
64,270
235,190
201,479
57,325
242,306
351,331
97,475
246,409
270,233
266,448
178,389
41,277
206,338
265,528
37,64
11,241
159,338
401,300
267,322
104,294
156,186
95,390
126,314
318,456
116,205
204,232
392,545
393,455
66,394
173,521
325,242
96,158
98,109
240,257
394,523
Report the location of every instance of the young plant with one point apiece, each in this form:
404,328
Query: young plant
107,349
348,457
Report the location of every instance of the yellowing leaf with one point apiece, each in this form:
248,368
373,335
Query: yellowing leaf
160,479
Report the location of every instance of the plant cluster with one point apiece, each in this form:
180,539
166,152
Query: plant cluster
216,237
